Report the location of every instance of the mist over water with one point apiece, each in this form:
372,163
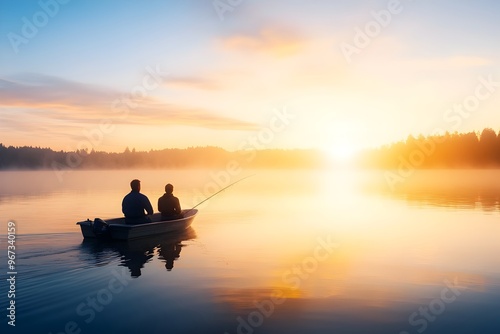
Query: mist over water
283,251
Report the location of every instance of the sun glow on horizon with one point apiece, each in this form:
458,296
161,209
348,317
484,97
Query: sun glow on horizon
341,153
343,142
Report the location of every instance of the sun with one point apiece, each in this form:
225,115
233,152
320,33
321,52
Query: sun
341,153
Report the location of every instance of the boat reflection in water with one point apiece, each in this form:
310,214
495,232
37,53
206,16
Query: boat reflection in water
134,254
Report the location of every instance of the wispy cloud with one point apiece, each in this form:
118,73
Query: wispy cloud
191,82
40,91
277,42
163,114
52,100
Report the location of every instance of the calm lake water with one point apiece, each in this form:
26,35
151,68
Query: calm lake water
280,252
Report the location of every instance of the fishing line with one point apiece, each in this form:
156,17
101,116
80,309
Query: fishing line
206,199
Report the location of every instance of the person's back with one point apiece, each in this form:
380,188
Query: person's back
169,205
135,204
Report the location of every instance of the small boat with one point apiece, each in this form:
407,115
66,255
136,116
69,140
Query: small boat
116,228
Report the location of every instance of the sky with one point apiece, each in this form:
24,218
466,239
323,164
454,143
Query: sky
331,75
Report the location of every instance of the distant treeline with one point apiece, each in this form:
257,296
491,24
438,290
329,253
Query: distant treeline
28,157
457,150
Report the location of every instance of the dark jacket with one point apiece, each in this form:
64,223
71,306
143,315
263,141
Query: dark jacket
169,205
134,204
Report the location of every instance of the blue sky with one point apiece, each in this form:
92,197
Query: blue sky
223,80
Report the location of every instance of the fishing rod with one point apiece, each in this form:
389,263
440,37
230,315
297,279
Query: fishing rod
206,199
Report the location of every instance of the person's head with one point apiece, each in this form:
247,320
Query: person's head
169,188
135,185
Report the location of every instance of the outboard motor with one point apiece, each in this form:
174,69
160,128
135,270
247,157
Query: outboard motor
100,228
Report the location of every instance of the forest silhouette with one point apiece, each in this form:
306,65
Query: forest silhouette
27,157
457,150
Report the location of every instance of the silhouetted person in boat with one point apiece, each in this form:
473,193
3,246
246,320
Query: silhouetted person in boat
169,205
134,204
